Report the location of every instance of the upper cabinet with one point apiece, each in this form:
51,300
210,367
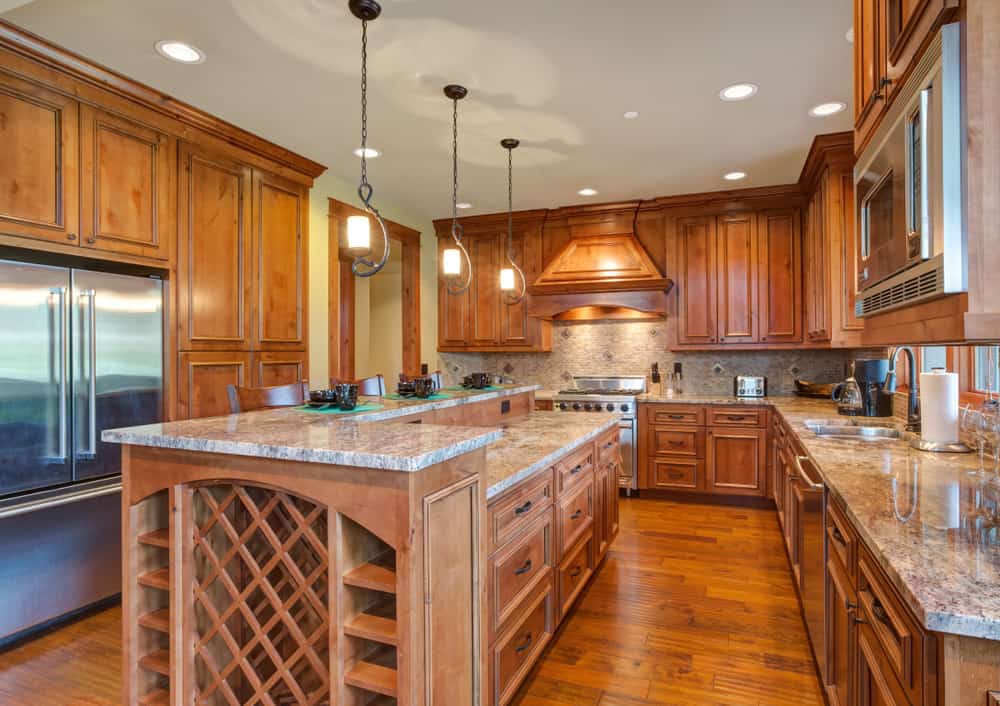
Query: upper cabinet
39,177
128,186
888,38
696,285
736,248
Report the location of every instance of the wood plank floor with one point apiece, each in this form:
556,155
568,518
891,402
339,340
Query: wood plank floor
694,606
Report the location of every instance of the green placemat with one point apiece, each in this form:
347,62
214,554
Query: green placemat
432,398
459,388
337,410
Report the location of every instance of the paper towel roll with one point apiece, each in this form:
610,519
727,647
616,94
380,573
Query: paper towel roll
939,406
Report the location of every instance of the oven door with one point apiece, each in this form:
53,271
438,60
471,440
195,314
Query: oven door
626,440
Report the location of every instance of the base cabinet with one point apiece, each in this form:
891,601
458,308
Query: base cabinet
736,461
841,606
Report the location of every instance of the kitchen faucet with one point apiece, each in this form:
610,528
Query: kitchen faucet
913,399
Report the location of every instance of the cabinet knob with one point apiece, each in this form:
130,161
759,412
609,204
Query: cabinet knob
91,240
71,236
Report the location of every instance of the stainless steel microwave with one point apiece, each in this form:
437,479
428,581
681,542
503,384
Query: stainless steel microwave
910,190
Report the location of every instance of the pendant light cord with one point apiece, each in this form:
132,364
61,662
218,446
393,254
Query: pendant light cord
363,266
457,231
510,298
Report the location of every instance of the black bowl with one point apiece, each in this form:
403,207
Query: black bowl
323,396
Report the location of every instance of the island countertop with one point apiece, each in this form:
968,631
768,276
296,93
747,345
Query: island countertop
931,524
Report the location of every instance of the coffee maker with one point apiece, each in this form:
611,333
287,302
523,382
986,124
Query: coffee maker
864,393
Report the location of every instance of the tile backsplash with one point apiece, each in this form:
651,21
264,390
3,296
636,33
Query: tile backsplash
630,348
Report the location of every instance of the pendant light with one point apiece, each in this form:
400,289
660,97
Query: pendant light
451,264
513,293
359,239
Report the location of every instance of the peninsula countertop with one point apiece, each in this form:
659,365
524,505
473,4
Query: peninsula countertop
932,524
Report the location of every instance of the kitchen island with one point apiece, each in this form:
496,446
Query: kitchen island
290,556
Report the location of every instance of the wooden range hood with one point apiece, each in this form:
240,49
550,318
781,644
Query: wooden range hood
597,267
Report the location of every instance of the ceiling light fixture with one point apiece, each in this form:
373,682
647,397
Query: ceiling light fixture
824,110
587,192
359,237
509,275
463,205
367,152
850,35
451,265
738,92
631,114
180,52
735,176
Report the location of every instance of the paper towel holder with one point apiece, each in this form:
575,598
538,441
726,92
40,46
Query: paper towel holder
955,447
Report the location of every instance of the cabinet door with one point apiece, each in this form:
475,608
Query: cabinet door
601,539
779,276
39,181
213,255
696,281
272,368
737,276
736,461
128,187
202,379
279,263
876,685
840,635
484,252
869,67
453,310
908,24
817,267
612,514
516,327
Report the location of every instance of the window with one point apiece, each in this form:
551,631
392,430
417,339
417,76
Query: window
933,357
986,369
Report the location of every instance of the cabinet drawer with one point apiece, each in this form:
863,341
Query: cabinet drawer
676,414
677,474
519,647
841,541
608,448
677,442
575,468
736,417
518,507
574,572
896,632
518,568
575,515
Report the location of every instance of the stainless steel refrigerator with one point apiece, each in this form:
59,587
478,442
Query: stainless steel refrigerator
80,351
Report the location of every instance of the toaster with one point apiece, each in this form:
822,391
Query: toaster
750,386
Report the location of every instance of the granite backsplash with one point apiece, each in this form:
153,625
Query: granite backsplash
630,348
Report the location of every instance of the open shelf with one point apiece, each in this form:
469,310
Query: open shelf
158,620
156,538
377,624
372,677
158,662
157,578
157,697
379,574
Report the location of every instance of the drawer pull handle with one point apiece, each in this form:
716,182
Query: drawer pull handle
676,443
858,620
576,515
735,417
577,570
879,612
838,536
675,416
576,469
609,445
524,569
521,509
676,474
524,645
850,606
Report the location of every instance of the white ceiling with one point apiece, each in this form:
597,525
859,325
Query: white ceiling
556,74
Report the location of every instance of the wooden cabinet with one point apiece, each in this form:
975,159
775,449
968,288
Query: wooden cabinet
39,177
841,625
889,37
696,281
779,276
736,461
519,647
481,318
202,378
214,274
128,186
606,495
737,278
876,685
272,368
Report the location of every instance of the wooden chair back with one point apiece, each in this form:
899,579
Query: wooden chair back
247,399
373,386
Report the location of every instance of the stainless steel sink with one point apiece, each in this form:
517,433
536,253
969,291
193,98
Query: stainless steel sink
852,431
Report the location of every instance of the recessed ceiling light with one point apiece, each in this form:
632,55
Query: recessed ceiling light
631,114
180,52
370,152
826,109
587,192
735,176
850,35
738,92
463,205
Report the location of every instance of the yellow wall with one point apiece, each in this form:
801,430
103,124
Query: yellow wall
330,186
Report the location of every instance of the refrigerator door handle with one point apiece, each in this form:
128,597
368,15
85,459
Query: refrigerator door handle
62,356
91,451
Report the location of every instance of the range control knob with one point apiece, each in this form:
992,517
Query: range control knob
610,407
576,406
562,405
624,408
586,406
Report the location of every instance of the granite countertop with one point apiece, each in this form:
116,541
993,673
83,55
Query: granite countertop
343,439
533,443
932,524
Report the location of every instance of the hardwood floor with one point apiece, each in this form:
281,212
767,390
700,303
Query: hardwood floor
694,606
77,665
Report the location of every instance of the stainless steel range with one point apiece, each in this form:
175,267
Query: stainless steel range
613,395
